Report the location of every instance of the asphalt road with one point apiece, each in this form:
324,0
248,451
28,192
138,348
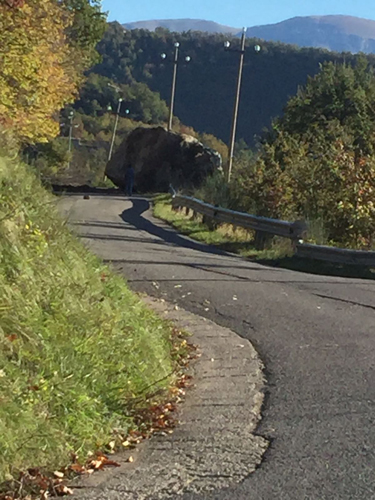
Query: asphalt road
315,334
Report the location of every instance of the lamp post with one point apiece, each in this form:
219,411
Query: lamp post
175,62
71,115
237,99
115,128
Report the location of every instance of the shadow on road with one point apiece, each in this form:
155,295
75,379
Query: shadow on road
134,217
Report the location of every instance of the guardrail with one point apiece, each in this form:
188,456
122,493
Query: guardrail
335,255
265,228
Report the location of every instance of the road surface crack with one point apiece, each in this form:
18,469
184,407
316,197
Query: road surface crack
347,301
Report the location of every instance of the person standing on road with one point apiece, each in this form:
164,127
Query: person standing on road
129,180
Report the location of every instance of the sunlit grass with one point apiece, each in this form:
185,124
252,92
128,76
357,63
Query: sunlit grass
225,236
77,348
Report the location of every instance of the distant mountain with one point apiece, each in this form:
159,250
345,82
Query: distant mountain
181,25
336,33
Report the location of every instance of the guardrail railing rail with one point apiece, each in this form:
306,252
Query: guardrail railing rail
266,228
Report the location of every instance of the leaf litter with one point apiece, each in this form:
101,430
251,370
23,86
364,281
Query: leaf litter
158,417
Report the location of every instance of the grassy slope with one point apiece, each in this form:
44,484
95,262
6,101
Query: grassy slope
241,241
76,346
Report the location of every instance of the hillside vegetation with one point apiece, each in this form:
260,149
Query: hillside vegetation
131,68
80,355
206,85
77,348
45,47
317,161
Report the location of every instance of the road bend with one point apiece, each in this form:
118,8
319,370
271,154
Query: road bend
315,334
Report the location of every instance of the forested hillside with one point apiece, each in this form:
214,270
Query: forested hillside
206,85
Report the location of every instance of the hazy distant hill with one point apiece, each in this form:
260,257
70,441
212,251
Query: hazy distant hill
180,25
337,33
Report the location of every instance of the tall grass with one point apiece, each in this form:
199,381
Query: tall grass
77,348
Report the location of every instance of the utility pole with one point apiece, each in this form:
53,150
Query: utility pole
237,101
115,128
235,109
176,45
174,78
71,115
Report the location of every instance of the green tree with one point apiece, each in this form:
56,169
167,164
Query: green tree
87,28
318,160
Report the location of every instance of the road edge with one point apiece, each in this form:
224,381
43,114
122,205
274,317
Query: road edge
216,444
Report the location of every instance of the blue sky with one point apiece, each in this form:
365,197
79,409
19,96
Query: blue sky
235,13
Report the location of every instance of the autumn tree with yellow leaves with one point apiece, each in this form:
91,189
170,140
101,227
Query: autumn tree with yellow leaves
45,45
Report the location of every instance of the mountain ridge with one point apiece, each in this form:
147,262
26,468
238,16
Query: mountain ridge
180,25
339,33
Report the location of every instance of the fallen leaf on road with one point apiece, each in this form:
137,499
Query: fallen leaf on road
101,461
78,468
61,490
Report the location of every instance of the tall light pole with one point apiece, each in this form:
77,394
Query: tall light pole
237,100
71,115
115,128
175,63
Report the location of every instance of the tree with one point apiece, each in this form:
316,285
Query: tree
87,28
318,160
40,67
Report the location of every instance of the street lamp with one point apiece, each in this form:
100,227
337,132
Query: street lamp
175,62
115,127
257,48
71,115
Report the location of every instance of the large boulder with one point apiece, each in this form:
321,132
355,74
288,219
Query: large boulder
161,158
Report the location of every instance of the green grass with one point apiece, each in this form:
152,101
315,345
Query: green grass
77,348
279,252
225,236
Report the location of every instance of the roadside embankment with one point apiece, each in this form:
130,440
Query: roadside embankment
79,352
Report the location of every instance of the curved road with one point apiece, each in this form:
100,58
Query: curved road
315,334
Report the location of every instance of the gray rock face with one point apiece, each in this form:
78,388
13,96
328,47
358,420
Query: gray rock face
161,158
